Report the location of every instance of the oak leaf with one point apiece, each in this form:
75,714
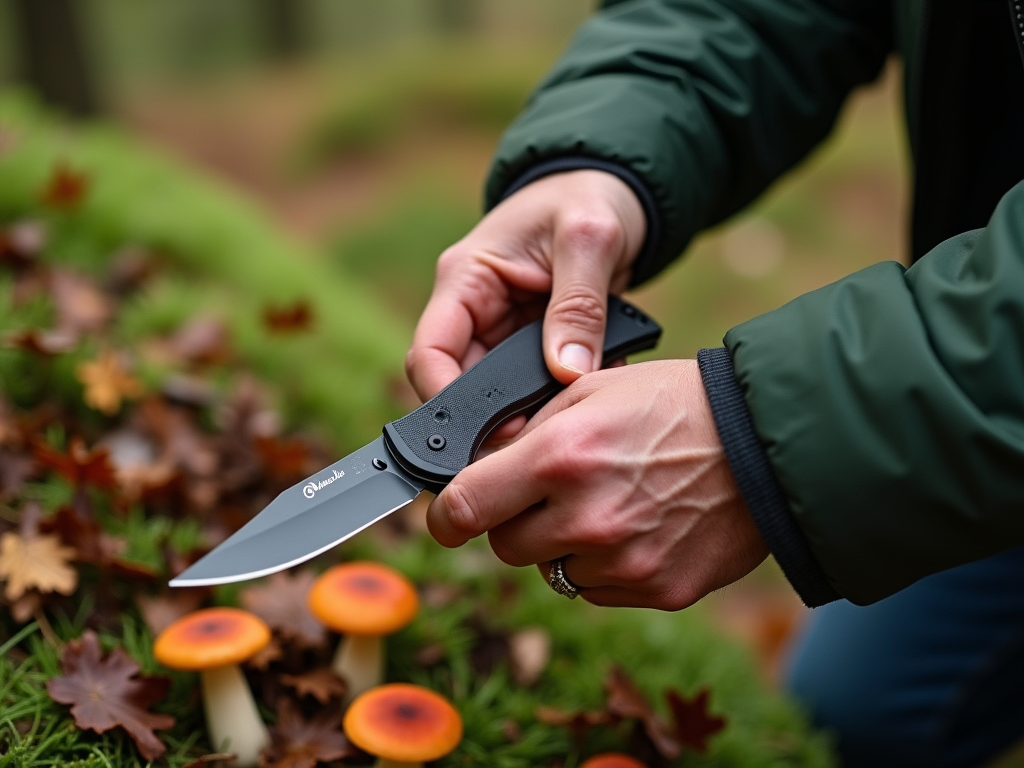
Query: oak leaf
37,562
322,684
80,465
82,307
626,701
107,382
281,603
292,318
109,692
66,187
299,743
692,724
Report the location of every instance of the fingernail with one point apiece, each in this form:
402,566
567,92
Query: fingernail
577,358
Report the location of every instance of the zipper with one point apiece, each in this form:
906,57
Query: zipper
1017,17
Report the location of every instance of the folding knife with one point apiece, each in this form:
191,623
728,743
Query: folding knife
423,450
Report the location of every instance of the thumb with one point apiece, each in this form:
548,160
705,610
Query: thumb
575,320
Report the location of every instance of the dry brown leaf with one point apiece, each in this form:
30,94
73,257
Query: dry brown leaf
692,724
66,188
299,743
281,602
82,308
322,684
42,342
106,693
79,466
292,318
529,653
107,382
39,562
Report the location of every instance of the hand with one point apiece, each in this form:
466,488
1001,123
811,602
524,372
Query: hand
572,235
624,476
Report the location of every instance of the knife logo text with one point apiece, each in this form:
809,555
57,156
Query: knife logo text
309,489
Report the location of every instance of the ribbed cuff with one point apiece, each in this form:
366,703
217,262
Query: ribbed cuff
757,482
641,268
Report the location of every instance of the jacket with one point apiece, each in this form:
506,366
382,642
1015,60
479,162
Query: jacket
875,427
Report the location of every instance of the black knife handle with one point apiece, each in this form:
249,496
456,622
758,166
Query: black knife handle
442,436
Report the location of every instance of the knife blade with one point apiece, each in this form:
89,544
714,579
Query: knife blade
422,450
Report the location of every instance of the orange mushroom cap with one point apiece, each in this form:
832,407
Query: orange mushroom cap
403,722
363,598
612,760
212,637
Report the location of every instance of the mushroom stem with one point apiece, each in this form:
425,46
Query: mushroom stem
359,660
233,721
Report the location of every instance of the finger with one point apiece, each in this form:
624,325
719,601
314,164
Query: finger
485,494
582,269
441,341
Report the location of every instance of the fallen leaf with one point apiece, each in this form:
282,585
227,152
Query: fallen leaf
66,188
106,693
322,684
80,466
281,602
267,655
529,653
287,459
200,342
22,242
107,382
90,543
160,611
82,308
626,701
578,723
42,342
292,318
15,469
39,562
218,757
299,743
692,725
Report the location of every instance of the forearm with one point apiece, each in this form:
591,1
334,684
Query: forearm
891,408
704,103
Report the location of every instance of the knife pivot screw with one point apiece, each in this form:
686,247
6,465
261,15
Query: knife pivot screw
435,442
379,463
441,416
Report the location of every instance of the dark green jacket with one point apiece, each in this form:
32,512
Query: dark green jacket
875,426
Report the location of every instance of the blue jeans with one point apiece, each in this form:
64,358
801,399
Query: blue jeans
932,676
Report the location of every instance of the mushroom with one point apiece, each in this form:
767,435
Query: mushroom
364,601
612,760
403,725
213,642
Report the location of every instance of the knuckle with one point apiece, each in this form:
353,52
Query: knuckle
580,306
450,261
590,231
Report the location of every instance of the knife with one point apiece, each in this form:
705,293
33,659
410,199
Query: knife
423,450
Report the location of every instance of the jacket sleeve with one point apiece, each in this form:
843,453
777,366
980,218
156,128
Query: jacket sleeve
703,102
891,408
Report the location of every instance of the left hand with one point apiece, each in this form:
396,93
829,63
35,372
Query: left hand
624,476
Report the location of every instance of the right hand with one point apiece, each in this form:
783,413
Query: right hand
572,236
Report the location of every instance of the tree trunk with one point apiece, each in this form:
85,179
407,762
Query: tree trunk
53,55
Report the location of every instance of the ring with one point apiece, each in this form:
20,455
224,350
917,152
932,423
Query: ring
559,582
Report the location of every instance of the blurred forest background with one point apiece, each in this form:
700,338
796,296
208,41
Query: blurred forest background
365,130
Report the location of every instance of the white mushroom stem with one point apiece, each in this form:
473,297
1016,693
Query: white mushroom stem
232,718
359,661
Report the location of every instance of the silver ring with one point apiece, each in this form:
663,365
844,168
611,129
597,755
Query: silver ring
559,582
